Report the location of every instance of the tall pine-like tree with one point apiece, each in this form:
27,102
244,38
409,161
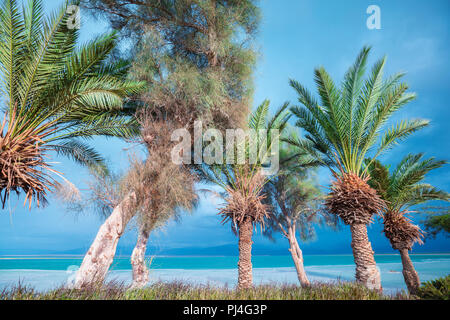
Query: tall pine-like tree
197,59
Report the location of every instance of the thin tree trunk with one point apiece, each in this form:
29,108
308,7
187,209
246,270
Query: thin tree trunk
98,259
366,268
140,270
245,278
297,256
410,275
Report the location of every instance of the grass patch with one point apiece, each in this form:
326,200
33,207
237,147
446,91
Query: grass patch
184,291
438,289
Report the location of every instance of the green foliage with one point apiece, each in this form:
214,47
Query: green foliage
405,187
178,90
437,223
187,21
348,121
196,55
293,193
53,85
196,58
438,289
379,178
225,174
242,180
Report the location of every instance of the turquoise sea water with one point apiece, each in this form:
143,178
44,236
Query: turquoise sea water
46,272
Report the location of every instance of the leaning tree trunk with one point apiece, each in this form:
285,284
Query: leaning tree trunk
366,268
140,270
98,259
297,256
409,273
245,278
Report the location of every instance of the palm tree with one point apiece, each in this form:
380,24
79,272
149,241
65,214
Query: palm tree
54,96
401,190
243,184
343,128
295,202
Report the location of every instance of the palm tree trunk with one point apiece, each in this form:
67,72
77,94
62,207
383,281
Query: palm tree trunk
297,256
140,270
366,268
410,275
245,278
98,259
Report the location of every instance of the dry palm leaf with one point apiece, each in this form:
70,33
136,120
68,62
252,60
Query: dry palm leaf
352,199
400,231
244,201
22,164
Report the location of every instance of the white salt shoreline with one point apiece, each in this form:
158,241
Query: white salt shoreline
392,278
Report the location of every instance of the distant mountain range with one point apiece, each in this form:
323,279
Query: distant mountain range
227,250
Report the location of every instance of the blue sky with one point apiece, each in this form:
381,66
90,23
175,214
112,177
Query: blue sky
295,37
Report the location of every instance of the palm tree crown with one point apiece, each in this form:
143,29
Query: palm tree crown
347,124
243,183
348,121
54,95
402,189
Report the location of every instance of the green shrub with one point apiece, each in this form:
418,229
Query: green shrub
437,289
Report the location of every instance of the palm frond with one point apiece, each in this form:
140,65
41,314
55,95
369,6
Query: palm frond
351,87
81,153
33,16
410,171
331,102
368,98
280,118
258,117
315,131
13,41
55,91
404,187
90,58
391,101
118,126
399,132
421,193
48,57
348,124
